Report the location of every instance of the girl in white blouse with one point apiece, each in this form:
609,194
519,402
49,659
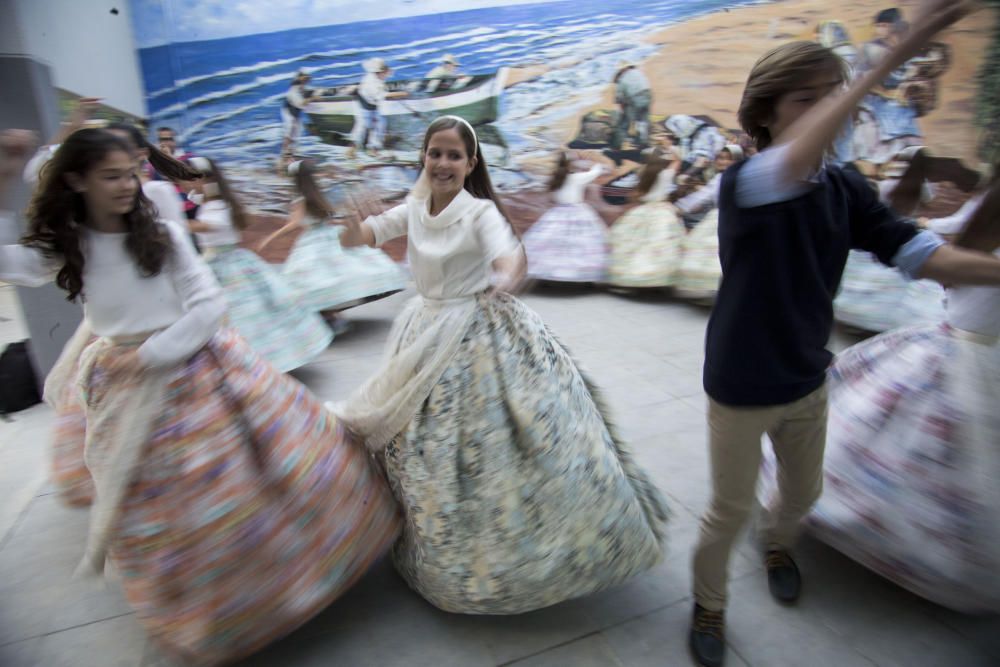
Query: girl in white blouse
517,493
225,495
69,473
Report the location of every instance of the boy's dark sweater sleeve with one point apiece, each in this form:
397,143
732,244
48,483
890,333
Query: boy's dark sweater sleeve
874,226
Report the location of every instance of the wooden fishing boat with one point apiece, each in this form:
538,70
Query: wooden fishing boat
476,98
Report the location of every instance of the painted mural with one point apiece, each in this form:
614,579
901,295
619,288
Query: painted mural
257,84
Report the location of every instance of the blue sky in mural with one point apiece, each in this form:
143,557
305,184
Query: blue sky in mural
162,21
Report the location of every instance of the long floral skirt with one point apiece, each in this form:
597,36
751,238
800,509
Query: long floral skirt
251,509
911,469
646,247
516,490
265,312
69,472
569,243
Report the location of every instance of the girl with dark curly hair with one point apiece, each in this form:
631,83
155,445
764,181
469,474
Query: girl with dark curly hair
226,496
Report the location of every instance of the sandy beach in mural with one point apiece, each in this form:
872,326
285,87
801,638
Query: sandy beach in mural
700,66
702,63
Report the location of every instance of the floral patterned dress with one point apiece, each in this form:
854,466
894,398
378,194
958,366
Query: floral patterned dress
911,470
517,493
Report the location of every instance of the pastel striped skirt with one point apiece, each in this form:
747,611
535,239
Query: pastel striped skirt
911,466
266,312
568,244
251,508
323,275
700,271
646,247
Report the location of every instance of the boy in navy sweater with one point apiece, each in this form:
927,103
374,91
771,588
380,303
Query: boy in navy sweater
786,222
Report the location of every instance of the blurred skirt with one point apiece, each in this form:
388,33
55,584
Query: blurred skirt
569,243
646,247
700,270
249,510
912,464
323,275
69,472
516,490
265,312
875,297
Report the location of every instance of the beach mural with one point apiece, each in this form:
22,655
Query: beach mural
255,84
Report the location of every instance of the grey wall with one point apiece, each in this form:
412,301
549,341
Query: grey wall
50,318
90,50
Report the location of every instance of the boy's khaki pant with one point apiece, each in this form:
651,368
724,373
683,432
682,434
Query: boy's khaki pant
798,433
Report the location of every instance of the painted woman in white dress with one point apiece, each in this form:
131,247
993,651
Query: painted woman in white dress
516,491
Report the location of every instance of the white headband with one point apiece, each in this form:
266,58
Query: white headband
293,168
472,130
201,164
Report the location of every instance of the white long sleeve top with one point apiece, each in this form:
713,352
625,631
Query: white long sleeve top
975,308
183,305
450,253
168,204
573,190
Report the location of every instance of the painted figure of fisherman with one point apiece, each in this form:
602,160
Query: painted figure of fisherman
634,96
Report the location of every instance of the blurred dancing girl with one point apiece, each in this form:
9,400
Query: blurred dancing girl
233,505
261,307
69,471
569,243
322,275
517,492
646,241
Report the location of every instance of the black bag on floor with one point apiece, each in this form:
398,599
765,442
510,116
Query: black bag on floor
18,387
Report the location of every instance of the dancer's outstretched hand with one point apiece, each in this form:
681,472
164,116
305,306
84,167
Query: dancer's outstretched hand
361,206
82,111
509,273
364,204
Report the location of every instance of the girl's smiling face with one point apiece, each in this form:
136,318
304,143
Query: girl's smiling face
447,163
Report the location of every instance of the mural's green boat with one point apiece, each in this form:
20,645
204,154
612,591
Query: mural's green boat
476,98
